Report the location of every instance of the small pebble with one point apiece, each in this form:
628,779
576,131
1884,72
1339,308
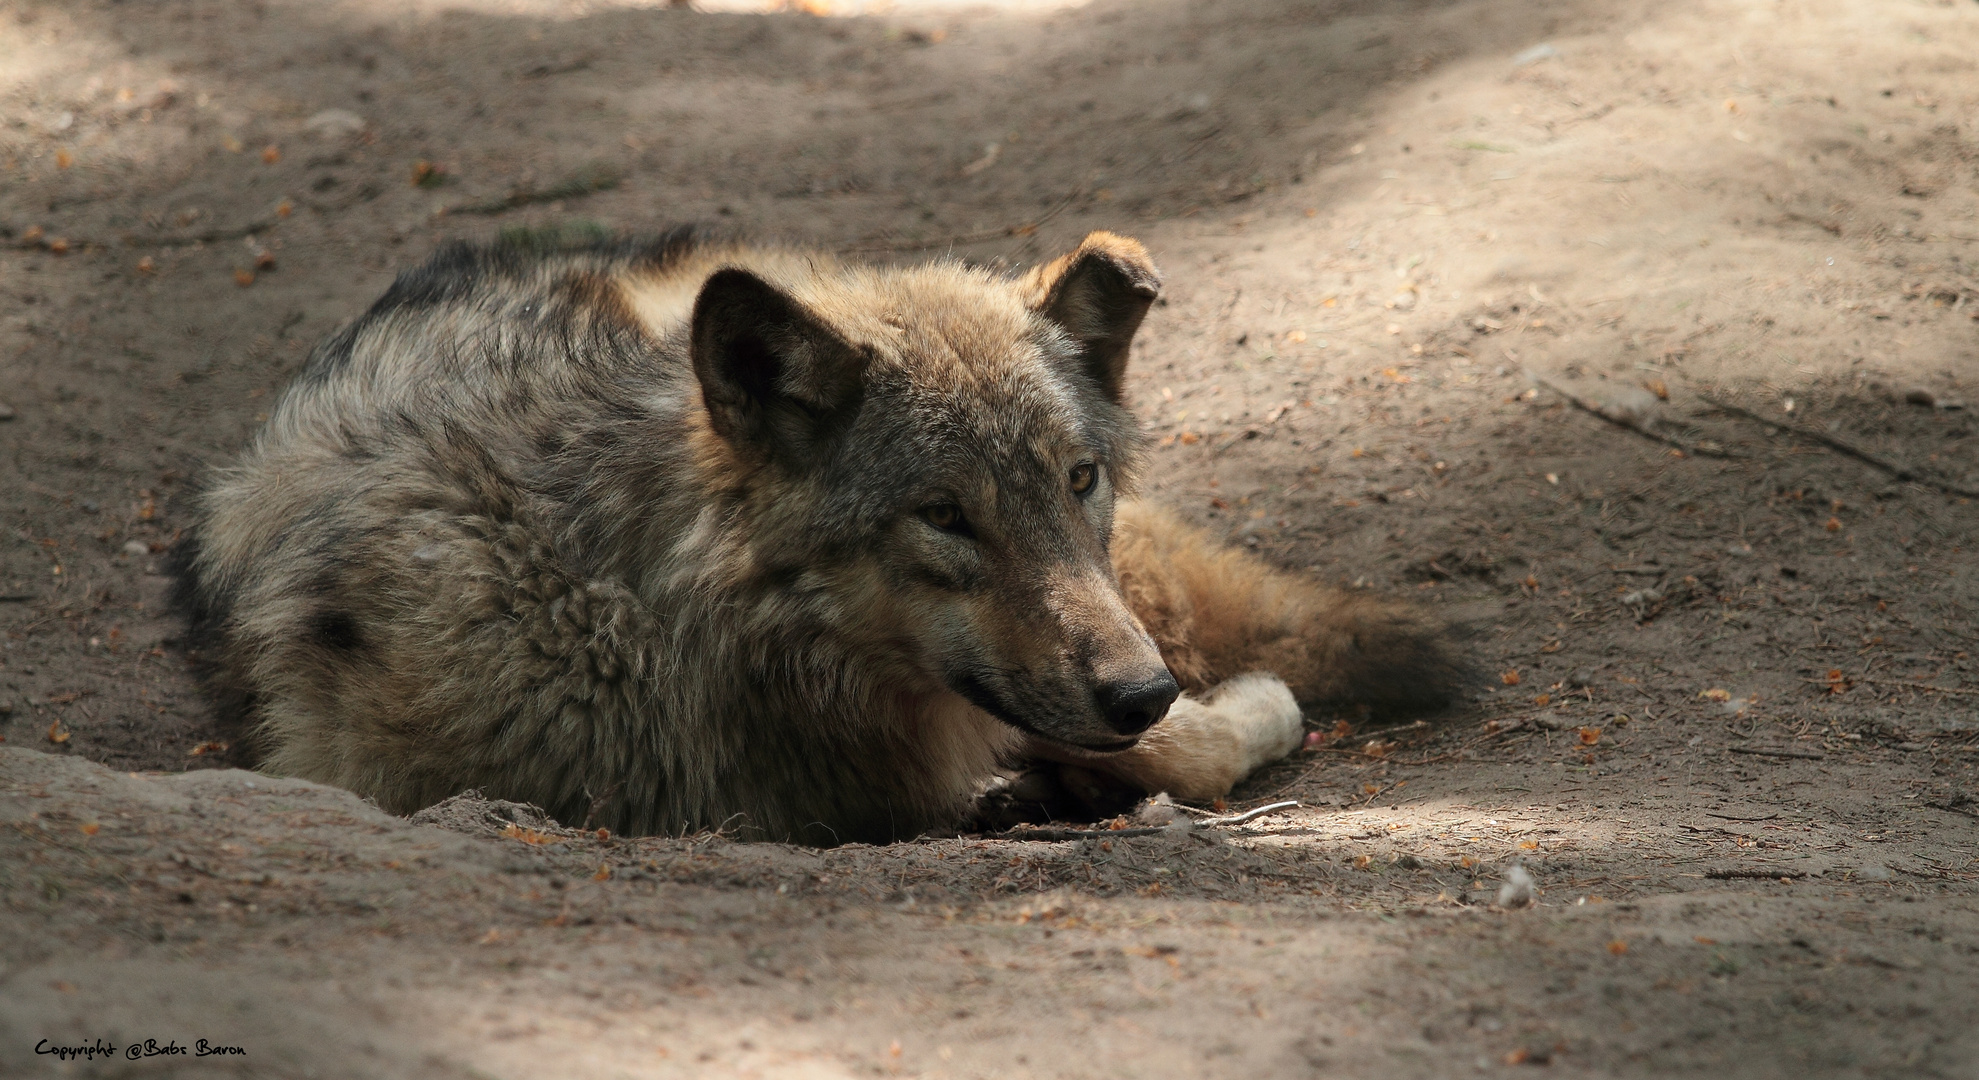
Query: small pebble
136,548
6,411
89,506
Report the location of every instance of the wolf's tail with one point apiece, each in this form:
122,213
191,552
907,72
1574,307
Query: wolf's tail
1217,612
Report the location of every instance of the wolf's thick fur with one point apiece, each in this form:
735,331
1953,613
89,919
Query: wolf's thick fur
678,533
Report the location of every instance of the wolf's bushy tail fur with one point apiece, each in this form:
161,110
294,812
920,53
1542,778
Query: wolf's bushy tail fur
1217,612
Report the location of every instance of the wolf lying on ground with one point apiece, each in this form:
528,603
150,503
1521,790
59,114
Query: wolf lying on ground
678,533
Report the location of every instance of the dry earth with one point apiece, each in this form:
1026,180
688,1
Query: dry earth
1738,754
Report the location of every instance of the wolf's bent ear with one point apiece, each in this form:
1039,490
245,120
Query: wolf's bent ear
775,378
1098,293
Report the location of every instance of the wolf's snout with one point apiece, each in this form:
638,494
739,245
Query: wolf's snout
1133,707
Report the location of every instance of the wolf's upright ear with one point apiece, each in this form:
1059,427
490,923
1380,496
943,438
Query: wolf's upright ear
775,378
1098,293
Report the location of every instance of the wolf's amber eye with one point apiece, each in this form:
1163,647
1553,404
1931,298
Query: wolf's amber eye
1083,475
946,516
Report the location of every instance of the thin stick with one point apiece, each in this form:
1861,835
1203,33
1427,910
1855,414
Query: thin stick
1026,229
1843,447
586,181
1073,834
1896,682
1762,875
1620,421
1371,757
207,236
1761,751
1239,819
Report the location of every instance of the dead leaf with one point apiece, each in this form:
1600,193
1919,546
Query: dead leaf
1657,387
243,278
1834,524
1510,678
271,154
1618,946
1543,699
1715,694
57,733
91,829
64,159
527,836
206,748
1589,736
604,872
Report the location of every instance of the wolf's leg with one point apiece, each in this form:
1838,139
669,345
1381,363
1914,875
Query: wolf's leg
1204,747
1217,612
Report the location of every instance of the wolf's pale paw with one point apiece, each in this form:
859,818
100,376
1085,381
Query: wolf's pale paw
1262,712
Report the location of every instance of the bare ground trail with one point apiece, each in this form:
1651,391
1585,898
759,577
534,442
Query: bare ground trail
1731,703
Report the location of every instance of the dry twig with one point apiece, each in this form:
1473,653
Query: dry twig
1762,751
1248,815
1844,447
1908,685
1623,420
1022,833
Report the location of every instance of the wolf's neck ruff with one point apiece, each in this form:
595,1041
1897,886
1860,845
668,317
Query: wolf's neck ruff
678,533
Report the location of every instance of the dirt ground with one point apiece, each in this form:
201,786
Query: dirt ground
1729,710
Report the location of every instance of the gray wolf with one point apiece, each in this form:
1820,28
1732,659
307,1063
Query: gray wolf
678,533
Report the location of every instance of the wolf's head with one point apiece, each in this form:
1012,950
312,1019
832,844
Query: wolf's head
929,461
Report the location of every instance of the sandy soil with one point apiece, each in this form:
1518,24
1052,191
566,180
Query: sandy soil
1731,716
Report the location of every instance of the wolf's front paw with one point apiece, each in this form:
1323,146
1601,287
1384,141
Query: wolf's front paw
1262,713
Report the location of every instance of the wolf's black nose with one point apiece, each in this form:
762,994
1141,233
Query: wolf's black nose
1131,708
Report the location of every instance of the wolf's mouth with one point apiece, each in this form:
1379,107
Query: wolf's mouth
976,693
